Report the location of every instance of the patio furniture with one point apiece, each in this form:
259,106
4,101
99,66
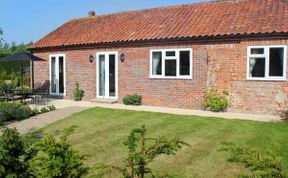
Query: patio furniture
2,95
40,94
21,93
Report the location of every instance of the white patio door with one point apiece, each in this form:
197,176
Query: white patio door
57,75
107,75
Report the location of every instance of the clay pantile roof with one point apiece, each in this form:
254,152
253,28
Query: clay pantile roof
242,17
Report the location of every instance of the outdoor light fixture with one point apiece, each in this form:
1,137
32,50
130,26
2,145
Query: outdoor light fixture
122,57
91,58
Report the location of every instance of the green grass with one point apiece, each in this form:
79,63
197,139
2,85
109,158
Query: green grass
101,132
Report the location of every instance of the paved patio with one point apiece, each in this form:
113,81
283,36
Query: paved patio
227,115
66,108
39,121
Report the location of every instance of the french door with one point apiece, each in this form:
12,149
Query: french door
107,75
57,75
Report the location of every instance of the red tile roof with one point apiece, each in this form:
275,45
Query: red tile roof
191,20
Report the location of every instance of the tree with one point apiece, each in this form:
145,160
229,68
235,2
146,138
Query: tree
12,155
55,158
1,39
261,165
140,155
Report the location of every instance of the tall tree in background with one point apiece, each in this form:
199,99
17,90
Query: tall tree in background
12,70
7,49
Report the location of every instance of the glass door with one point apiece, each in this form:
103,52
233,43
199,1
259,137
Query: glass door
57,75
107,75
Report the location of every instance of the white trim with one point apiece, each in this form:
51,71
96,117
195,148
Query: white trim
266,55
106,54
177,58
57,73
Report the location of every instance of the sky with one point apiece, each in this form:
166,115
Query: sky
30,20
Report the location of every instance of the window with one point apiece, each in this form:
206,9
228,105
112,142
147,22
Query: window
171,63
266,62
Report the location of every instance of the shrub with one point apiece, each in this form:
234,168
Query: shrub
14,111
284,115
132,100
23,112
12,151
78,93
51,108
35,111
44,110
215,101
140,155
261,165
55,158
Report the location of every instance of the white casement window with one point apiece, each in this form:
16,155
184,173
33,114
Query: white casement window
266,62
171,63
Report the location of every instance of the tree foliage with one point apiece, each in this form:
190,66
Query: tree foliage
7,49
12,155
55,158
143,151
12,70
45,158
261,165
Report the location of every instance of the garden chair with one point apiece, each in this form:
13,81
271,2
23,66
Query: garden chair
41,95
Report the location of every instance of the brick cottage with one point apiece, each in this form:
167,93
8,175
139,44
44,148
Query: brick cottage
172,55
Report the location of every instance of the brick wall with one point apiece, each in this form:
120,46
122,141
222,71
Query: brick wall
222,66
227,71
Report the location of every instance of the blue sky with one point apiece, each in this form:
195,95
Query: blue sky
30,20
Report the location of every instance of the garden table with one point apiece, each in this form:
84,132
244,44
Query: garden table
22,92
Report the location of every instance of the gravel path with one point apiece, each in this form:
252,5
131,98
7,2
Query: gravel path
39,121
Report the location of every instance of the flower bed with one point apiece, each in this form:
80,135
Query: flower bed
11,111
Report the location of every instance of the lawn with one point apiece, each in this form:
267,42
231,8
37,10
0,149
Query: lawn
101,132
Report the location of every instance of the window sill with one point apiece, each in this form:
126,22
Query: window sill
267,79
173,78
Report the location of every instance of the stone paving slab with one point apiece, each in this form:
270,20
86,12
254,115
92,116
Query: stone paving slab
39,121
66,108
226,115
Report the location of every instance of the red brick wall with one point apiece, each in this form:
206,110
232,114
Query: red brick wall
225,69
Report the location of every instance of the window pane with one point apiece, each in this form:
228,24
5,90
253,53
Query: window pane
276,62
170,67
61,74
101,75
257,51
170,53
257,67
53,75
157,63
184,62
112,90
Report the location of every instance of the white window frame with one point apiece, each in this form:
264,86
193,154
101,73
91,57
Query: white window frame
267,58
177,57
57,71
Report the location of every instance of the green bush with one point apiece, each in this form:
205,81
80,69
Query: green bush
35,111
51,108
261,165
284,115
12,151
142,151
48,157
55,158
215,101
78,93
23,112
14,111
44,110
132,100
